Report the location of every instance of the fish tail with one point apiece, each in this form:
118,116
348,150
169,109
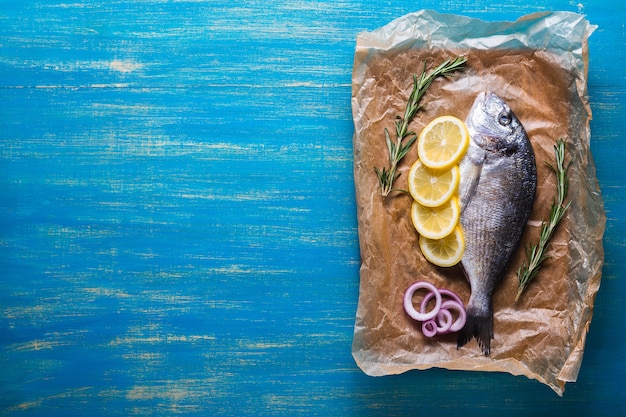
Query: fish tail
479,324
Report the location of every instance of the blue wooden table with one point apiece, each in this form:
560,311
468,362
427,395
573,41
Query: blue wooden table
178,227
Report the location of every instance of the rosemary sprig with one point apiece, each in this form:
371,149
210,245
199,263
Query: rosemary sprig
536,253
405,138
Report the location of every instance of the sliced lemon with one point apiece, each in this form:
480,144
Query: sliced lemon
432,187
444,252
443,142
436,222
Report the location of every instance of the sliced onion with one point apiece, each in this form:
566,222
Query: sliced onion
451,294
460,321
408,301
429,328
443,326
439,320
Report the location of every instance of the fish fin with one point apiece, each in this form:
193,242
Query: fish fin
470,175
478,324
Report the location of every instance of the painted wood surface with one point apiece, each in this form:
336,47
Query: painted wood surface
177,220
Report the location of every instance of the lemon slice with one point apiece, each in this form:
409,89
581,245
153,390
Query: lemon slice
430,187
444,252
443,142
436,222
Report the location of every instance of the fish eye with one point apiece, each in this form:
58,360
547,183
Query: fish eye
504,118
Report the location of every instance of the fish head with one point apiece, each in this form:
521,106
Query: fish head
493,126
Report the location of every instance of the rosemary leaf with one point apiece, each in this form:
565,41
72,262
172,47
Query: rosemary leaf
536,253
404,138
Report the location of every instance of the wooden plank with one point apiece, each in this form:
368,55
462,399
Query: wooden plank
178,228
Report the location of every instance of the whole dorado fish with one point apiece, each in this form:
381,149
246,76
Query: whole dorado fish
497,190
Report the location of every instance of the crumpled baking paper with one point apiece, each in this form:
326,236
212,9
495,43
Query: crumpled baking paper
538,65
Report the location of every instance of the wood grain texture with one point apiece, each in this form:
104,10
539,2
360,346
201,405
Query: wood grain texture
177,219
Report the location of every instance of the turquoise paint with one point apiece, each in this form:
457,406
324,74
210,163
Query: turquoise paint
178,228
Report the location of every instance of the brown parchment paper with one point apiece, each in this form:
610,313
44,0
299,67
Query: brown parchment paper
537,64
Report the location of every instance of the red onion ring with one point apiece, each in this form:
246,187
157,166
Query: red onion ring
439,320
447,324
460,321
442,291
429,328
408,301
